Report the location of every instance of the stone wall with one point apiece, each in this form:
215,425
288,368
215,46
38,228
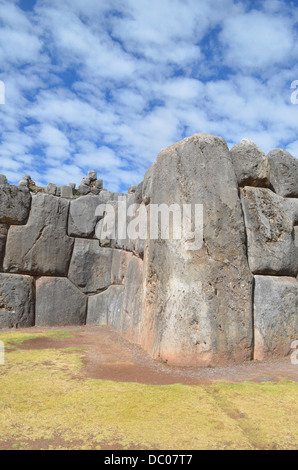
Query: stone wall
232,300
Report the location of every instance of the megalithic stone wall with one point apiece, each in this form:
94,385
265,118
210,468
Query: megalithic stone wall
231,300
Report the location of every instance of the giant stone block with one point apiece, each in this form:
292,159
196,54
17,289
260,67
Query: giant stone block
42,246
197,306
59,303
275,315
270,234
17,306
14,205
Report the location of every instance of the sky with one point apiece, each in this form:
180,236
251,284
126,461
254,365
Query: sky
105,85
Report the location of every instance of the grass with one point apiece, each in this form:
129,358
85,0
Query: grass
45,402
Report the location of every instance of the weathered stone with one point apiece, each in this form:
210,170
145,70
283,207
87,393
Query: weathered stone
147,184
250,164
16,301
92,175
72,185
269,228
90,266
51,189
24,182
99,184
84,189
120,263
275,315
3,237
59,303
106,308
42,246
292,205
95,191
283,173
14,205
58,191
66,192
198,302
3,179
82,218
139,193
86,182
132,306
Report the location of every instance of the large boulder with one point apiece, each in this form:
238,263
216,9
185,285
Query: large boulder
42,246
59,303
283,173
270,234
82,218
275,315
250,163
197,305
90,267
17,303
15,205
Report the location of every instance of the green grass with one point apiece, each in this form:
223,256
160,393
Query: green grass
45,400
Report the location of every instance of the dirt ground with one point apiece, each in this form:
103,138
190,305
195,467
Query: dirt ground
107,356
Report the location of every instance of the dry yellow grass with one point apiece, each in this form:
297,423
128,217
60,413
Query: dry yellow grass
44,399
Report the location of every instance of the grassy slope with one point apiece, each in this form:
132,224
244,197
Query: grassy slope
43,399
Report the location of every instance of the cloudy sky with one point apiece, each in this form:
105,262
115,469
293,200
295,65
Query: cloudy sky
106,84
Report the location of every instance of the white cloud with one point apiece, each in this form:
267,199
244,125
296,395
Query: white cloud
106,85
257,40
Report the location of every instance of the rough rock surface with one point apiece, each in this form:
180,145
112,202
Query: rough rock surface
250,163
106,308
90,266
17,303
275,315
283,173
132,307
82,218
42,246
59,303
198,303
3,237
14,205
270,235
120,263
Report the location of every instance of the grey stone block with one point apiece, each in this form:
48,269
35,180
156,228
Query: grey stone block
82,218
90,267
59,303
275,315
283,173
106,308
17,303
41,247
92,175
250,164
197,307
51,189
270,236
14,205
66,192
3,179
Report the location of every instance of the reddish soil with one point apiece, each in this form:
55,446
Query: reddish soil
107,356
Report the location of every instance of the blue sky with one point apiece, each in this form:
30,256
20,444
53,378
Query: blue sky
105,85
